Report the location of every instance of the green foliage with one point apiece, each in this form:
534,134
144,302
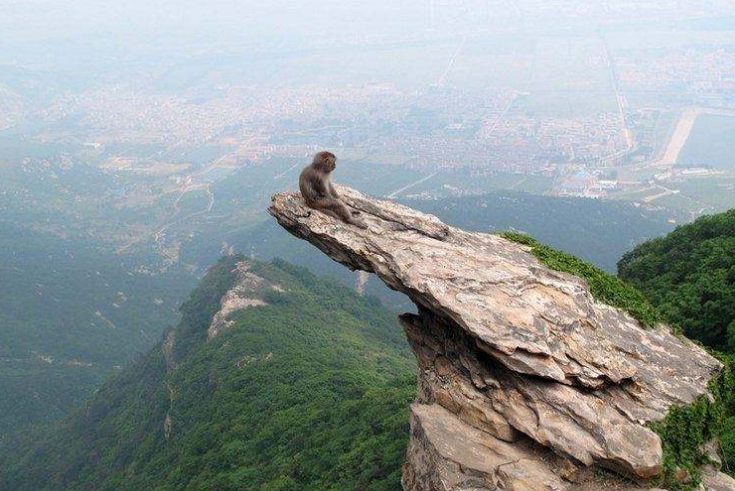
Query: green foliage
686,429
603,286
690,276
307,393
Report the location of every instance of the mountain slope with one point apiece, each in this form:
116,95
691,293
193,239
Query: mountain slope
70,312
305,386
690,275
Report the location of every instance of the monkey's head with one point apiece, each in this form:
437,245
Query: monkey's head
325,161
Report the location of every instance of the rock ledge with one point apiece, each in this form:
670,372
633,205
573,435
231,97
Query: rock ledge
526,382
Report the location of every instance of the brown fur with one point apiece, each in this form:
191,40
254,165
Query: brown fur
316,187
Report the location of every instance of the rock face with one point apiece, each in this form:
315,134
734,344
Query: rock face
526,382
239,297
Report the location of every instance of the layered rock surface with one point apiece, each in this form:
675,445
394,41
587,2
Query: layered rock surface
526,382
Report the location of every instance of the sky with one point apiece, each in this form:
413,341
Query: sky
77,34
33,20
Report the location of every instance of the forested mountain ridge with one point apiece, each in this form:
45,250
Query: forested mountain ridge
690,275
273,380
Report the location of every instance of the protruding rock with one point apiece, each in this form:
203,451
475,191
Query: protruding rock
579,424
511,350
711,452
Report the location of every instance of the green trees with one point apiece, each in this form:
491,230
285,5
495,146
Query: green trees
690,276
307,393
70,313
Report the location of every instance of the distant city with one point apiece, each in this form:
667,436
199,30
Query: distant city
627,106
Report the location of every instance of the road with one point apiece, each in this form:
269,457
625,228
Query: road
187,186
409,186
452,60
282,174
501,115
160,234
666,192
621,102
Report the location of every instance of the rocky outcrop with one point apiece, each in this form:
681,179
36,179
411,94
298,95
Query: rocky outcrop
717,481
245,293
526,381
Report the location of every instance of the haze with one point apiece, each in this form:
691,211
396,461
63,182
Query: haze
139,141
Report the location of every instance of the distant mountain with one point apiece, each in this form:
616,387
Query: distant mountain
690,275
273,380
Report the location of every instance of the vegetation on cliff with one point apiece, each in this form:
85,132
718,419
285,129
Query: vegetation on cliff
685,430
309,392
690,276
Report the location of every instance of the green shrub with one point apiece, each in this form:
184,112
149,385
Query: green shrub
686,429
690,276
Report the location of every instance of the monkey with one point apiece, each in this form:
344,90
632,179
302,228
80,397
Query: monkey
316,187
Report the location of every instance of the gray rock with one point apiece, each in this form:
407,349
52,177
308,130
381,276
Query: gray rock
712,480
449,455
576,423
711,451
510,348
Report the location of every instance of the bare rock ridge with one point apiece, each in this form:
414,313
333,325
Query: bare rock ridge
244,294
525,382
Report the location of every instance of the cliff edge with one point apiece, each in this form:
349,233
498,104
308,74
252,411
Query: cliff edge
526,381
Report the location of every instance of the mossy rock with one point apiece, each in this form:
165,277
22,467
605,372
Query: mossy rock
605,287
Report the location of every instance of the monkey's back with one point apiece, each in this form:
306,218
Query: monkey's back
306,185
